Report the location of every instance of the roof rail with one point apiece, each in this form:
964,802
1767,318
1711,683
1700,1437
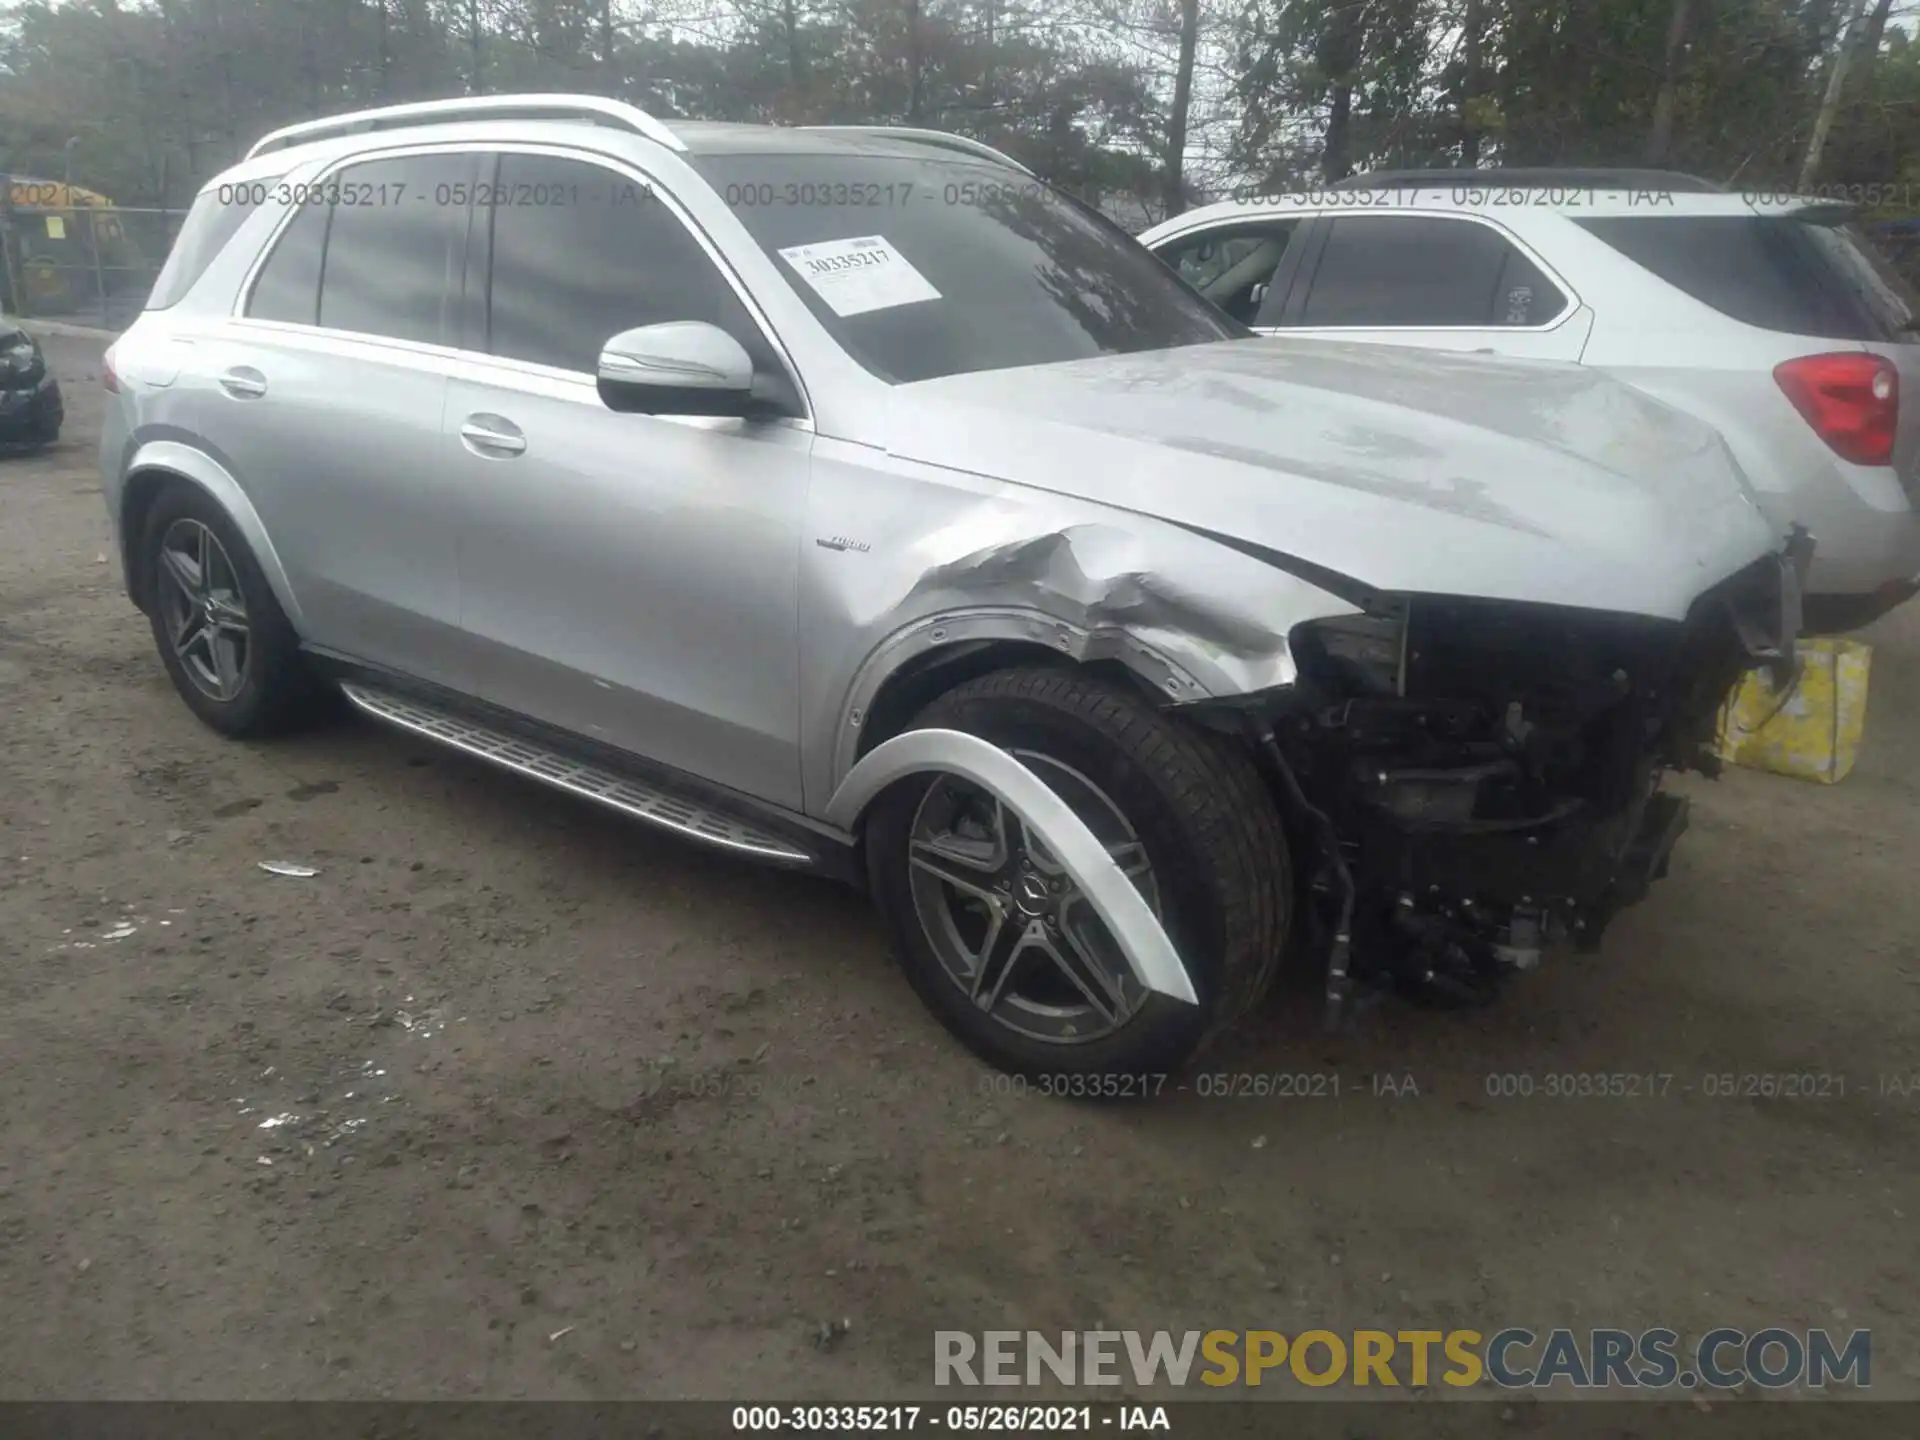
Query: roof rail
595,108
1574,176
944,139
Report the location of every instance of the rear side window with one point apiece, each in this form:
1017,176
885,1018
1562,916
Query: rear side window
1787,275
288,286
1384,271
218,213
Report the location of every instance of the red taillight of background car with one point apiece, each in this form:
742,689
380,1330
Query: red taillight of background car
109,377
1852,401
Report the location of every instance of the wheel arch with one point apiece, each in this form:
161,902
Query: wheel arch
917,664
161,463
1142,938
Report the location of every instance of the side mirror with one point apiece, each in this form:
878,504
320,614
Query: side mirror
685,367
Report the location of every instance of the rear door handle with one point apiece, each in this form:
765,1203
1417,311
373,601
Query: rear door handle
243,382
493,436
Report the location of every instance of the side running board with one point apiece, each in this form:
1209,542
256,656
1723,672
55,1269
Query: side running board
641,799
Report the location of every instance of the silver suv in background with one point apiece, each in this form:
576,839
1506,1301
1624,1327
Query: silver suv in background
1772,317
850,500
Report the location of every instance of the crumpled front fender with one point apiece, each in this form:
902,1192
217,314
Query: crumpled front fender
1142,939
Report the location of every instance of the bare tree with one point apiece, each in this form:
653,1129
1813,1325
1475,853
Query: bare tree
1174,166
1472,24
1836,85
1661,140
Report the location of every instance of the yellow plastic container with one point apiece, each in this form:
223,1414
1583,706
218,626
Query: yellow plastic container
1813,731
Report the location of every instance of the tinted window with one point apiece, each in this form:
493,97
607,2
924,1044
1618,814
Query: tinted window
1779,274
217,213
1524,295
1230,266
395,247
288,285
1382,271
581,253
967,265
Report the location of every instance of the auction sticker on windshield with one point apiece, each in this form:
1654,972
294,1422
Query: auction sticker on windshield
855,276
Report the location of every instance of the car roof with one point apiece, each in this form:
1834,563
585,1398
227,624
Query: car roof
1521,206
492,118
1608,177
717,137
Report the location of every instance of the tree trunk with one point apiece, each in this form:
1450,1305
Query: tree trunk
913,62
1341,54
1661,140
796,62
1876,30
474,77
309,68
1470,84
608,81
986,65
1176,184
1336,161
384,58
1836,85
229,113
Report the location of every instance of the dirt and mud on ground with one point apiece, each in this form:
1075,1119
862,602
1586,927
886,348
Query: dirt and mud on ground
513,1098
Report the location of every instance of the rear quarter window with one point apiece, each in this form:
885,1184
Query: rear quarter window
1788,275
216,216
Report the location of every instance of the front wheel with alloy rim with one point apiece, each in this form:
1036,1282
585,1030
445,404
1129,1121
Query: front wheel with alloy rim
227,645
998,940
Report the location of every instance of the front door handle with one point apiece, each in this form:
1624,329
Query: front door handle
243,382
493,436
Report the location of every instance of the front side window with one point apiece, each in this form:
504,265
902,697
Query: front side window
922,266
1390,272
1233,268
581,253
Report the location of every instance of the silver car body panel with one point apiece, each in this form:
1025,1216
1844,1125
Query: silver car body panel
1516,481
1143,940
176,457
1178,512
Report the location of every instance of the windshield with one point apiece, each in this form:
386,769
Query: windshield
922,267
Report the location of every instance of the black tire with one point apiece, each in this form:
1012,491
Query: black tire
1210,831
277,691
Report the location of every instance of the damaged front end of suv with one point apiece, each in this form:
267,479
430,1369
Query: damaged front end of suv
1478,779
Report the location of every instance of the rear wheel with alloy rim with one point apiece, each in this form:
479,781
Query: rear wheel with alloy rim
221,634
203,610
1000,942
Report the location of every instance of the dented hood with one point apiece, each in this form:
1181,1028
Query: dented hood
1405,470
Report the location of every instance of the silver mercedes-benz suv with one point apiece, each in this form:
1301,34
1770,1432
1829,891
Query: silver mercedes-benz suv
850,499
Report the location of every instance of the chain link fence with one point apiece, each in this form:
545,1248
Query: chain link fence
82,264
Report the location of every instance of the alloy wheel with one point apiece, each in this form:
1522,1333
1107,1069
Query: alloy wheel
1007,923
203,609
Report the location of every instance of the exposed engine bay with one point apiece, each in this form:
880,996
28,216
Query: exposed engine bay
1478,779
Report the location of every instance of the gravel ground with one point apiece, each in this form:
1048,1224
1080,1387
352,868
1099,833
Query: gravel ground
514,1099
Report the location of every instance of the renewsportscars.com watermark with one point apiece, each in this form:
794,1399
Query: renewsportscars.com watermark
1512,1359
